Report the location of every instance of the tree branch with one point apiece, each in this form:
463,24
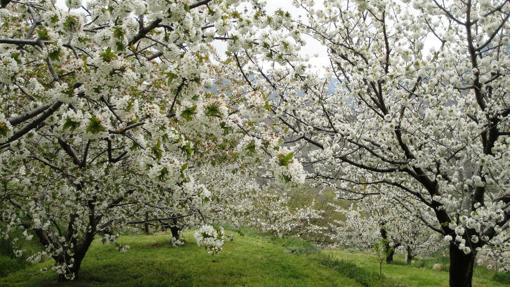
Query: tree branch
33,124
28,115
21,42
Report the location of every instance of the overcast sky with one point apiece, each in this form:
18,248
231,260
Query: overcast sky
317,52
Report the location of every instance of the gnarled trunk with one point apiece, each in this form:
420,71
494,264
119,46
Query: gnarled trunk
409,255
390,252
76,260
388,249
146,227
72,272
461,267
175,232
175,228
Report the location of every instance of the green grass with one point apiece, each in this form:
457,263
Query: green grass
420,274
249,260
8,265
8,262
363,276
502,278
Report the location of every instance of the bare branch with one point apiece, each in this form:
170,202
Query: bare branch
33,124
28,115
21,42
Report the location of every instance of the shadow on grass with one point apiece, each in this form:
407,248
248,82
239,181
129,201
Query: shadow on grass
502,277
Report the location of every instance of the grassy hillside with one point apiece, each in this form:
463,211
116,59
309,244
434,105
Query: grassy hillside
245,261
249,260
420,274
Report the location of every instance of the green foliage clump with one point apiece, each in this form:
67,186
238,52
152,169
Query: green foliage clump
6,248
285,159
95,126
8,262
189,112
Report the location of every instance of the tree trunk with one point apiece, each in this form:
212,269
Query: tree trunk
390,251
175,229
175,232
72,272
409,255
79,254
146,228
461,267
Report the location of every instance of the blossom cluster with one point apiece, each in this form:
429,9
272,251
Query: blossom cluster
210,237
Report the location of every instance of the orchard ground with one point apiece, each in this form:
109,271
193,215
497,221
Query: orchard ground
249,259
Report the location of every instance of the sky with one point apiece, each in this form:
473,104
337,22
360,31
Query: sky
318,53
313,49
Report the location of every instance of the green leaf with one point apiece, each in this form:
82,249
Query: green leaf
286,178
171,76
201,58
54,55
267,106
285,159
118,32
226,129
70,124
16,57
188,113
184,167
108,55
119,46
213,110
163,173
42,34
83,40
157,150
236,15
71,24
188,149
251,147
130,105
4,130
54,19
95,126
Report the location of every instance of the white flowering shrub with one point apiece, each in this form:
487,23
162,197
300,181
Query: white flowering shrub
211,238
375,219
288,169
497,259
356,231
273,212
